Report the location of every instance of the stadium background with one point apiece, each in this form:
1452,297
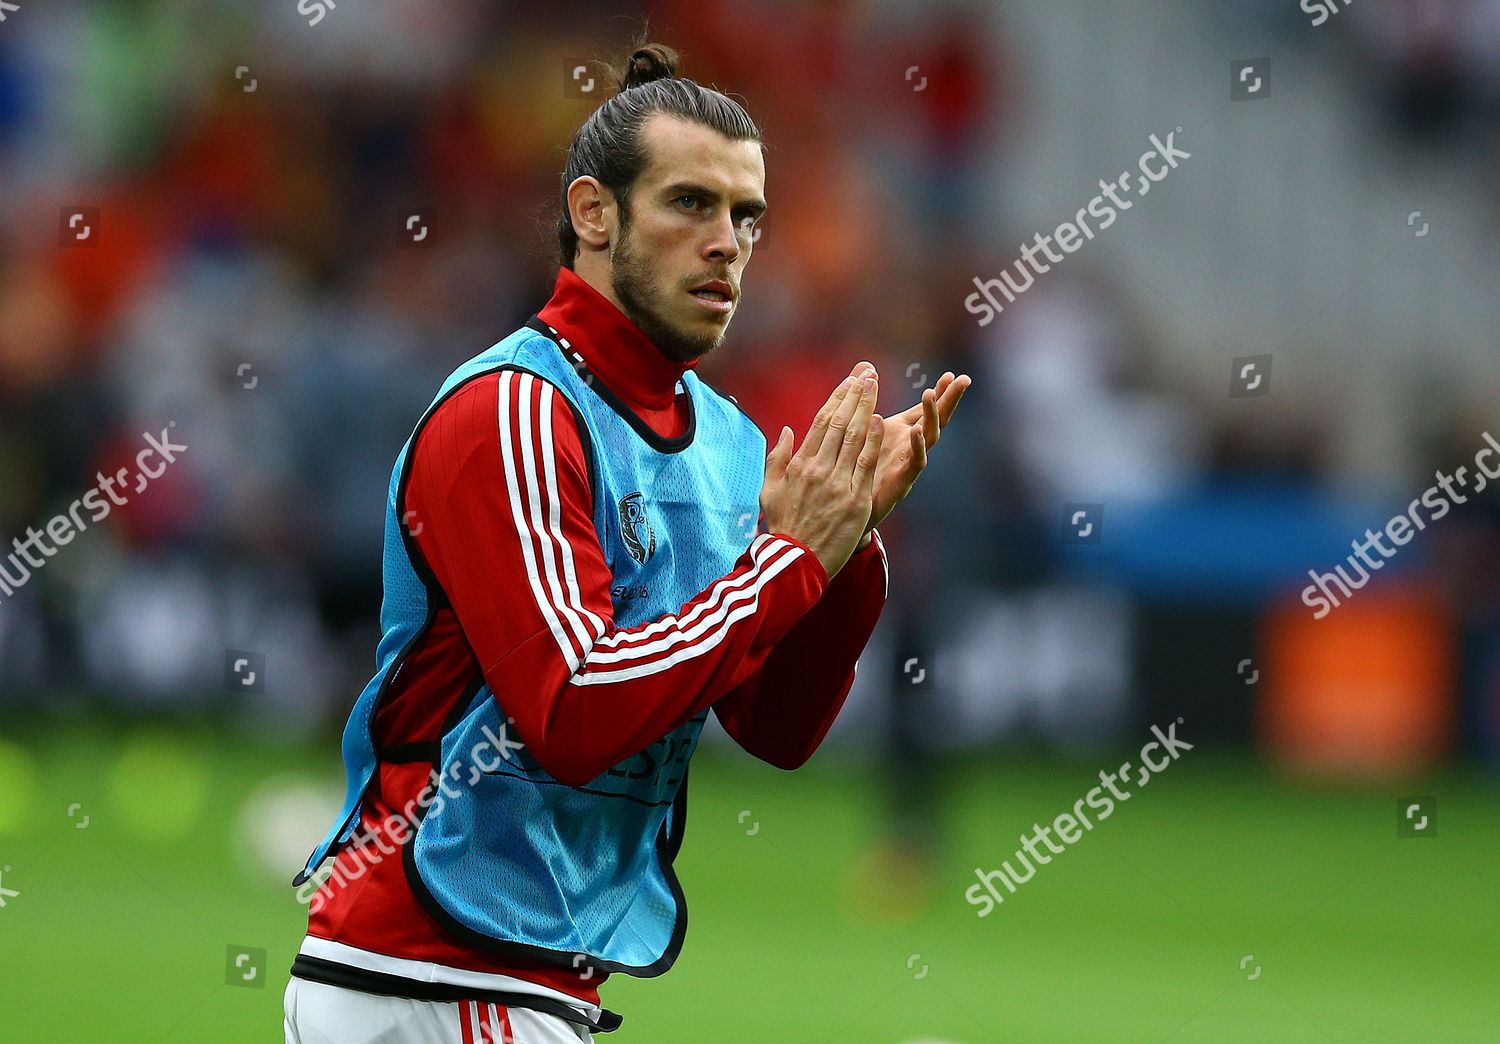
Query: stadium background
248,171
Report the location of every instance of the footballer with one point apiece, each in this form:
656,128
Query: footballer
588,550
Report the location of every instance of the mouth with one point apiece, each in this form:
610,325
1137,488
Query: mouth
716,295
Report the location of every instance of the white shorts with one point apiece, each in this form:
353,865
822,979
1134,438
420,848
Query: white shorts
320,1014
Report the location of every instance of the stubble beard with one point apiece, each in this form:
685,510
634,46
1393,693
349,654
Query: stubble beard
638,293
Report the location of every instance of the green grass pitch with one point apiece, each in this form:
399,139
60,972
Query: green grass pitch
1220,903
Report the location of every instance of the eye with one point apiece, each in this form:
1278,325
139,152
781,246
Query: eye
694,200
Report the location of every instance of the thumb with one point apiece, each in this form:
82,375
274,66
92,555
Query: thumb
780,455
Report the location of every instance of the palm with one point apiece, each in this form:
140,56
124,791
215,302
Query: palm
897,471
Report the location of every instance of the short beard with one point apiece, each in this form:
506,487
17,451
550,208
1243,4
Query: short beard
636,289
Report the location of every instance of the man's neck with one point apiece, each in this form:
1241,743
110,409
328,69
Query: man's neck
612,346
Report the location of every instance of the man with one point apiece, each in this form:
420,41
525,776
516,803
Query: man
574,578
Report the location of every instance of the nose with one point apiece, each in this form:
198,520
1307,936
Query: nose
722,245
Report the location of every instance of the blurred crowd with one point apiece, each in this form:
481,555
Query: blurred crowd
204,225
245,174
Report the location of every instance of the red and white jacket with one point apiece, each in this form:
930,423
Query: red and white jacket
776,698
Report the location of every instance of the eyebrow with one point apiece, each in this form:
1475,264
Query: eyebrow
688,188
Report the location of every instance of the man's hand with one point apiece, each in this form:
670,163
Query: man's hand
822,493
906,441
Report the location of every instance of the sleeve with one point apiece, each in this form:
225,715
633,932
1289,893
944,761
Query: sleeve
501,486
781,713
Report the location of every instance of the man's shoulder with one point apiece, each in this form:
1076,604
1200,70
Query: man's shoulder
472,410
528,346
529,351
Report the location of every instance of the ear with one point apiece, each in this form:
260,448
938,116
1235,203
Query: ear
591,207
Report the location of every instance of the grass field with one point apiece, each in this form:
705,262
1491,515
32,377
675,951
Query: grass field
1140,931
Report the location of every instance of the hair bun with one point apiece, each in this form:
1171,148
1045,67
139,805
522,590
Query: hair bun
649,62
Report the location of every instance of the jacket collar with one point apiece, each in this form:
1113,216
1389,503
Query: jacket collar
612,346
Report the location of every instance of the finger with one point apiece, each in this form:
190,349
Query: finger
863,367
947,402
868,457
951,396
780,455
814,441
853,441
832,447
931,425
913,414
918,451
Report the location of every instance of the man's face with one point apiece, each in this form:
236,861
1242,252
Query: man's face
683,240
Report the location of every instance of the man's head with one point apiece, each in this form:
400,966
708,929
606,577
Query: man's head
663,187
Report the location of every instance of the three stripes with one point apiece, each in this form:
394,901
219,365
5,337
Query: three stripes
484,1023
526,408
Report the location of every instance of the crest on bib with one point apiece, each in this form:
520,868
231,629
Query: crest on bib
635,527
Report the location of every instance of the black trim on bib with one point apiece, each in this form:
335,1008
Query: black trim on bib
407,753
644,430
332,973
668,847
559,783
338,846
666,852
